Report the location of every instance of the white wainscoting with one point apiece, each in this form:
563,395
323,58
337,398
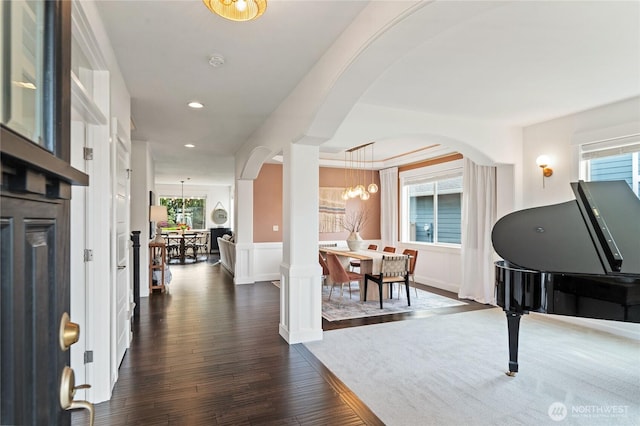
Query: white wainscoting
267,258
437,266
244,264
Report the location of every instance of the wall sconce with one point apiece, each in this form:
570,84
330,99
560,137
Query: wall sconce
543,162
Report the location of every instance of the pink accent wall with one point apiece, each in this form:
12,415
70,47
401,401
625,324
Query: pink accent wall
267,205
330,177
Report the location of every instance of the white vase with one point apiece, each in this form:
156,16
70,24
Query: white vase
355,242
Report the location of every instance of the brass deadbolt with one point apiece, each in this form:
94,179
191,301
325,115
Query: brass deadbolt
69,332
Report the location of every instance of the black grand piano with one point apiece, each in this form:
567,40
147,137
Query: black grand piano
580,258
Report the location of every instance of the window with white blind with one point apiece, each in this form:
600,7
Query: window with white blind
431,205
617,159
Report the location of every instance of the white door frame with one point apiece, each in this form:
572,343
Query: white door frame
121,294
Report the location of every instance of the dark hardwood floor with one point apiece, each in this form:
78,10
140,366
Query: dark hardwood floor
209,353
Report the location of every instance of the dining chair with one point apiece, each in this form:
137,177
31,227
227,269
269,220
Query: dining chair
173,245
202,244
327,245
413,256
339,275
355,263
393,269
389,249
191,243
325,268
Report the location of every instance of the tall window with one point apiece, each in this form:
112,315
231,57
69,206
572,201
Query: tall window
607,161
192,216
431,207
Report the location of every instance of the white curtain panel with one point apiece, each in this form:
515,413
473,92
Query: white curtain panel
389,206
478,218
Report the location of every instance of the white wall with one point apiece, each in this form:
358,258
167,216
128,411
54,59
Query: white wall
213,194
559,139
437,266
141,183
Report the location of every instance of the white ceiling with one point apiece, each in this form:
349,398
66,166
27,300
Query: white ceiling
514,63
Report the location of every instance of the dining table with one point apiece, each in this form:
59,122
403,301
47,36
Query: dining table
177,244
370,263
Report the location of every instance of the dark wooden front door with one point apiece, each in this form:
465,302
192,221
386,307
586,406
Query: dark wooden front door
34,211
35,293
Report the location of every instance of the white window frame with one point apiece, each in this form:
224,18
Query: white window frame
610,148
426,174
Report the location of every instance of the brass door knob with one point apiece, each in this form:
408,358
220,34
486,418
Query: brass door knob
69,332
68,391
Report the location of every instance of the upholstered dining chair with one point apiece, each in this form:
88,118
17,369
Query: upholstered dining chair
394,269
339,275
325,268
355,263
389,249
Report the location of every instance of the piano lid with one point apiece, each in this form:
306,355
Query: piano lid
598,233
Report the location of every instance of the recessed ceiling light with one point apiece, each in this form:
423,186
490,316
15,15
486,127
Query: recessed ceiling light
195,105
216,60
189,145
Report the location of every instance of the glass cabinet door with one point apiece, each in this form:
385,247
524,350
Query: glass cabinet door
22,74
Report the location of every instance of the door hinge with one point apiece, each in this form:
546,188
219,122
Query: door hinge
88,255
88,153
88,357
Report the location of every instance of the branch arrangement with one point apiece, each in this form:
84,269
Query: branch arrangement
355,220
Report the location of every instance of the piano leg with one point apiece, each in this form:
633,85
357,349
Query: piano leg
513,325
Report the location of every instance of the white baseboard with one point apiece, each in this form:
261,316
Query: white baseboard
267,277
442,285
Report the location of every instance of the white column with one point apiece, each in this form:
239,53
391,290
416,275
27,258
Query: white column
300,283
243,271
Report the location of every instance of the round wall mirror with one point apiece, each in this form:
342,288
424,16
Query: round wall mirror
219,215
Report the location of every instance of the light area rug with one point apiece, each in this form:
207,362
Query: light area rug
450,370
345,307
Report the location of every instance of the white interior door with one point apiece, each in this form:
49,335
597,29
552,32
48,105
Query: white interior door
78,243
122,238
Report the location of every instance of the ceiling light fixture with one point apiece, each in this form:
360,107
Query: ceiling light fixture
237,10
189,145
357,189
195,105
372,188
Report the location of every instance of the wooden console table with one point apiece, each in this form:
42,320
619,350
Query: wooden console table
157,250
